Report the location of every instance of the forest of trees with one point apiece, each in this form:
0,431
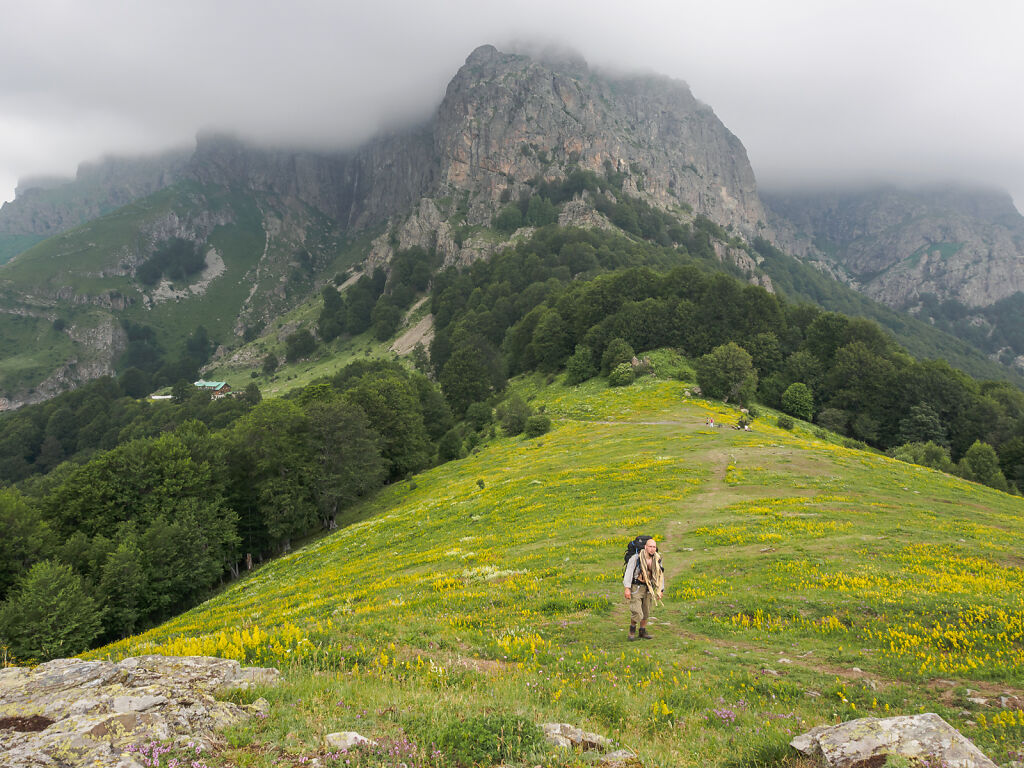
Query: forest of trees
146,365
190,493
175,259
564,296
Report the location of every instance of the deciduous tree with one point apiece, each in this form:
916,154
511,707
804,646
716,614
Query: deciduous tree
49,615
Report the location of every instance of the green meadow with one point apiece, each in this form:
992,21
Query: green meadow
808,583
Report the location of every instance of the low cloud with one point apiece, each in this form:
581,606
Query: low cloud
818,92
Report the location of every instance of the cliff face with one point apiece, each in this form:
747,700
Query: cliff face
506,119
51,207
899,244
355,189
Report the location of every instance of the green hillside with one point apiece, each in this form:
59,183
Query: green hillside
12,245
91,274
798,281
808,583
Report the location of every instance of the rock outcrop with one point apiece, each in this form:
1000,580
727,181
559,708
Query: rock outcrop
566,736
55,206
507,118
897,245
865,743
71,712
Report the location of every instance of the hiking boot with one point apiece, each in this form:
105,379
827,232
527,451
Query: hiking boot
644,634
632,632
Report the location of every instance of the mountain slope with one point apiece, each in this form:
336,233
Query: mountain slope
806,582
278,222
949,254
44,209
271,226
260,256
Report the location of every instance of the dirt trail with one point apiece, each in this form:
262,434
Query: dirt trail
714,494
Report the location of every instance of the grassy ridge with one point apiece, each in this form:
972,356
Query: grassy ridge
12,245
262,275
30,350
808,583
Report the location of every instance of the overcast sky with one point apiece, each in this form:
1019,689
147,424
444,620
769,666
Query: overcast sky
817,90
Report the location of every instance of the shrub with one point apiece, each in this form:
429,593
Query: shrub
478,415
385,318
727,372
508,219
580,366
798,401
298,345
618,351
513,414
926,454
537,425
252,394
864,427
489,740
833,419
921,425
981,464
785,422
450,446
621,376
50,614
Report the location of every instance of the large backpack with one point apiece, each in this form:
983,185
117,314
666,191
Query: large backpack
635,546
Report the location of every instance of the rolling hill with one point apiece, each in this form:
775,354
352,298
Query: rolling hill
808,583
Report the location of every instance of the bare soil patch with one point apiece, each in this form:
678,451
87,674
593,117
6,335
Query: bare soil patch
421,333
32,724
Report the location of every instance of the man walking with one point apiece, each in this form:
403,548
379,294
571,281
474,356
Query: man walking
644,581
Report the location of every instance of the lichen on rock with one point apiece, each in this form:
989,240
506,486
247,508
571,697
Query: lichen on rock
867,742
72,712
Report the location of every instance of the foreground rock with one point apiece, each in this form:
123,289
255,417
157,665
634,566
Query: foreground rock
565,735
347,740
569,736
70,712
865,743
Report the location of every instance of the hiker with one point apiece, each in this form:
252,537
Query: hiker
644,581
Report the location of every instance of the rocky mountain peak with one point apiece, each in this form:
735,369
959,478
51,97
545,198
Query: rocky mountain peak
507,118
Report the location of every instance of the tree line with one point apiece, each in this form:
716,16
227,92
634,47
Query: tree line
564,296
143,531
98,416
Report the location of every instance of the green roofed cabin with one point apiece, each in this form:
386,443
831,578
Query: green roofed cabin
218,388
